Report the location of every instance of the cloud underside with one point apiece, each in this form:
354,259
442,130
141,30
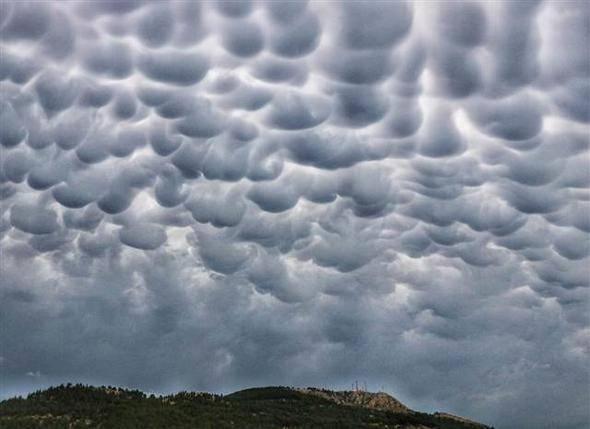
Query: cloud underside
214,195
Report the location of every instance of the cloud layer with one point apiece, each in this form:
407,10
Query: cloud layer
213,195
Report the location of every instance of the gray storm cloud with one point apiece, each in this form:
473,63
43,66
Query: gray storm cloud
211,195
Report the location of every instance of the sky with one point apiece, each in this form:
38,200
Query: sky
218,195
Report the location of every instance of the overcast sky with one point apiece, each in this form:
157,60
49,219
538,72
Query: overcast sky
228,194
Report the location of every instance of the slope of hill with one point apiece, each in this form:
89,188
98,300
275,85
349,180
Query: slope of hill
360,398
79,406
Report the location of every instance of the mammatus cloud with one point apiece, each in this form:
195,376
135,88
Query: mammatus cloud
219,194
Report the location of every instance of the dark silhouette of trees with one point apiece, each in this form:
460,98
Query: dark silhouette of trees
82,406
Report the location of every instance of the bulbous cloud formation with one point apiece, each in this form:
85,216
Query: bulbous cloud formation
300,192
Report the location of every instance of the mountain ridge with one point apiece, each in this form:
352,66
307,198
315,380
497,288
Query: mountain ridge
82,406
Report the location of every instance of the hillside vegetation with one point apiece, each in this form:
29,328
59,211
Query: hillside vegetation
80,406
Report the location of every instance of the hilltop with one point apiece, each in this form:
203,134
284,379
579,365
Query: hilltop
360,398
80,406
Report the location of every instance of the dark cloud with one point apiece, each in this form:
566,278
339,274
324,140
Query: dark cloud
95,95
379,25
124,105
275,70
359,106
296,38
515,118
126,141
244,40
73,197
69,131
13,131
220,254
85,220
221,209
45,175
292,111
173,67
204,122
95,147
234,8
284,12
441,137
19,70
16,165
169,189
55,92
113,59
272,197
247,97
156,25
143,236
463,23
161,142
359,67
32,219
25,21
305,192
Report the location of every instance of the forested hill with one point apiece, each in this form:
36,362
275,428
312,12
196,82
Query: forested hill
79,406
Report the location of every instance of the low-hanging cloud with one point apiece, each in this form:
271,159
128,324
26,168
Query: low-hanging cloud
302,192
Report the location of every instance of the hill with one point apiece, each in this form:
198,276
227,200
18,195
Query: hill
80,406
360,398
